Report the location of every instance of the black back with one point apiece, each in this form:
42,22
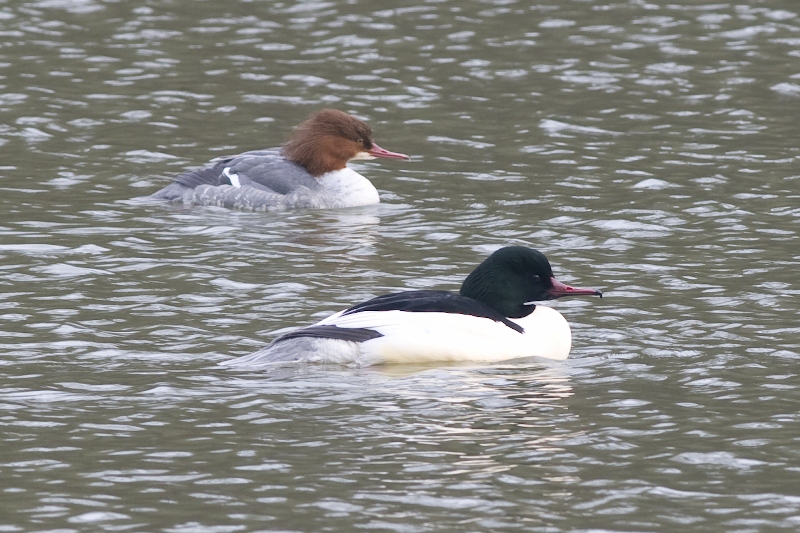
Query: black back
432,302
331,332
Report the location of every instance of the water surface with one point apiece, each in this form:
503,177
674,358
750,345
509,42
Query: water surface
648,148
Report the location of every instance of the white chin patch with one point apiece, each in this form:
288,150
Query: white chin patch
363,155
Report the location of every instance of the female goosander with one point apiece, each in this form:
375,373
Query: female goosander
493,318
310,171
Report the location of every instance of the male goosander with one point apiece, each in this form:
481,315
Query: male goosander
493,318
309,171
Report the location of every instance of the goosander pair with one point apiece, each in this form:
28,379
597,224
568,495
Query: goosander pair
494,317
309,171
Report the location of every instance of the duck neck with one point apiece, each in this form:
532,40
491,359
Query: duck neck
501,295
319,154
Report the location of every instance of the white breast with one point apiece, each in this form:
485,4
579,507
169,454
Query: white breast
348,188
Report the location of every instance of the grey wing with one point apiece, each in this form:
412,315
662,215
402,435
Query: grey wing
265,170
287,352
271,171
185,184
304,344
265,152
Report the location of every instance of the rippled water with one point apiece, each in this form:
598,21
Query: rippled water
649,148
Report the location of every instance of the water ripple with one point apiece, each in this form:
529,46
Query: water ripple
646,148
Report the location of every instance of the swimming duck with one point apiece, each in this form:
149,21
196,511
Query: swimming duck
494,317
309,171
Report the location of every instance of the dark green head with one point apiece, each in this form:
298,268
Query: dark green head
513,278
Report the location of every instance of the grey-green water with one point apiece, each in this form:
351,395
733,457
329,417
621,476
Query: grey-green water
649,148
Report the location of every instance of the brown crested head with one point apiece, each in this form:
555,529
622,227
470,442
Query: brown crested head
329,139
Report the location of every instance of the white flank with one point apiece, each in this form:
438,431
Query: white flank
426,337
416,338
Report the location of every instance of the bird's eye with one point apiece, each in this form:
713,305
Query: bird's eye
536,279
360,141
